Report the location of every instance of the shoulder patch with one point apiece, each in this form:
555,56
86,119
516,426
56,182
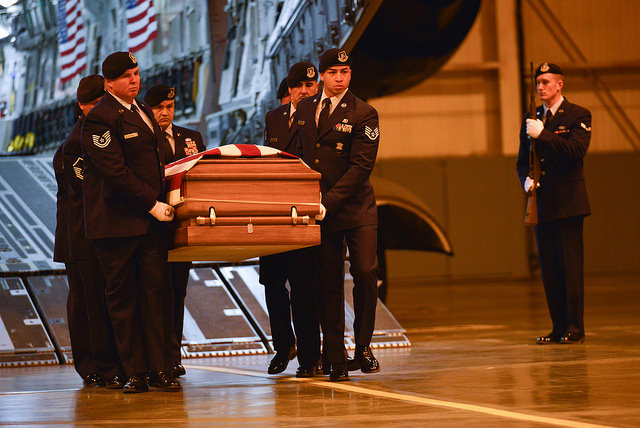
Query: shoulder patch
372,134
77,168
102,141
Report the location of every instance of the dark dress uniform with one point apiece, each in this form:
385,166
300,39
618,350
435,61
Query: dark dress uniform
187,142
297,266
90,331
562,204
344,152
123,179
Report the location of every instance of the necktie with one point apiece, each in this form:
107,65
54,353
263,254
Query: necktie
547,119
168,150
324,114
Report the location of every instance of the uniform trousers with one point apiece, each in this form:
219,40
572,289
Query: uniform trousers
137,275
179,281
560,249
361,243
92,343
297,267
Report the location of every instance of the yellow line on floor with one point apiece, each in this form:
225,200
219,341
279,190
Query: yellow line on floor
347,387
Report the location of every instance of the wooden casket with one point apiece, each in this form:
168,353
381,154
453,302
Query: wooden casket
233,208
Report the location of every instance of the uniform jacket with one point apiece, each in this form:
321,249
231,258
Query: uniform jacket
188,142
123,171
68,166
344,152
561,148
277,133
61,243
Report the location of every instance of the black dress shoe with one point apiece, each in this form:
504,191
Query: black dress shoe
93,379
135,384
572,337
306,371
339,373
164,381
364,357
352,364
116,382
549,339
281,360
177,370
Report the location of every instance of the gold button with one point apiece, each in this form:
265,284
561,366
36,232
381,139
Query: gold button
317,145
543,173
317,161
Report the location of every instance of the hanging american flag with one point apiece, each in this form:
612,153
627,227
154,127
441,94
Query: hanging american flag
71,39
141,24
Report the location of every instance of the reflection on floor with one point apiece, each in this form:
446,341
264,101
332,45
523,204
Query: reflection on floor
473,362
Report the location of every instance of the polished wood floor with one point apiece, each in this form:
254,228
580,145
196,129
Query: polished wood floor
473,363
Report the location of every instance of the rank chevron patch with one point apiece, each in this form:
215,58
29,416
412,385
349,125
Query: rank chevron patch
102,141
371,133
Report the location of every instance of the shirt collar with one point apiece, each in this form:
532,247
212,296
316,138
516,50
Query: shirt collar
123,102
335,100
554,108
169,130
292,109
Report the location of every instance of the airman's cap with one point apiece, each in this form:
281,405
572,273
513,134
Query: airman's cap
117,63
334,57
547,67
90,88
301,72
159,93
282,89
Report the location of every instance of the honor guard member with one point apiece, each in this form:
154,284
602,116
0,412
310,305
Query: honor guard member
339,138
562,132
125,215
295,266
283,92
95,355
179,142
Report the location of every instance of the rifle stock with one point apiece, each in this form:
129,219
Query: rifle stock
531,215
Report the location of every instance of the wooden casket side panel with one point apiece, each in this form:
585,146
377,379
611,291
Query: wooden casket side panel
252,201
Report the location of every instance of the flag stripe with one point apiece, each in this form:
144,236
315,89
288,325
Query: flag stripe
141,24
72,47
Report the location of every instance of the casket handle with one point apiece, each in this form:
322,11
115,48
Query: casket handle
294,215
212,215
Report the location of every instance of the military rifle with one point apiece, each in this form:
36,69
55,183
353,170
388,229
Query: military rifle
531,216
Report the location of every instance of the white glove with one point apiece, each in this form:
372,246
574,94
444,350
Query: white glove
162,211
323,212
528,184
534,127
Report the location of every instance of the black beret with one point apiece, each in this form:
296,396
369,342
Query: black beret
159,93
547,67
117,63
90,88
301,72
282,89
334,57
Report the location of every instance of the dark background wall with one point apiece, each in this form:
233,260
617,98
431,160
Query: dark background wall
479,202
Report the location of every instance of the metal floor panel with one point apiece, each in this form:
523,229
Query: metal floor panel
23,338
51,294
214,324
27,215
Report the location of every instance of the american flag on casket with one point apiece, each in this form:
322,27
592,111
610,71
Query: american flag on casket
175,171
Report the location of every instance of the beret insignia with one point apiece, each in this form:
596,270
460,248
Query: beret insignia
172,93
133,58
311,72
342,56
